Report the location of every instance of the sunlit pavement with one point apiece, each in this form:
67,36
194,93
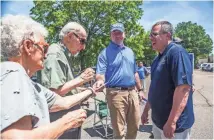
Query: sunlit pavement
203,108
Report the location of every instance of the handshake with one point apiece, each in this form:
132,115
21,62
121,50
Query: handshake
89,75
75,118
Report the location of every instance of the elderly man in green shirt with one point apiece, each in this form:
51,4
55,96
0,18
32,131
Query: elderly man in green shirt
58,75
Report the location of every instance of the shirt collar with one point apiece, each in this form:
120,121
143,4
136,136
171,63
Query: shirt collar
122,46
166,49
62,46
64,49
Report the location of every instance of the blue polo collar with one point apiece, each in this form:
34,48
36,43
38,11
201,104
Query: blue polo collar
116,46
166,49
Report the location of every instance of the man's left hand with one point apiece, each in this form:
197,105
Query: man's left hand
142,95
193,88
88,74
169,129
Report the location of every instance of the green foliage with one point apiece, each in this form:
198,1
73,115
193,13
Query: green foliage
149,53
195,39
96,17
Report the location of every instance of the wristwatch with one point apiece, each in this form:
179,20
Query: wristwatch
92,90
91,95
140,90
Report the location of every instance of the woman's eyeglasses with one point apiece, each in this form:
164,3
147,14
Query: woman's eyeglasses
43,46
44,49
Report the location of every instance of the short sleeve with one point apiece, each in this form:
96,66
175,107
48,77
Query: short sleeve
16,99
49,95
54,73
101,63
181,68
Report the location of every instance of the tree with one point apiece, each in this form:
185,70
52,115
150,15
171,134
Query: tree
149,53
195,39
96,17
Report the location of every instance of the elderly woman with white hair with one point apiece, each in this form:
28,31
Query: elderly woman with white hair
25,105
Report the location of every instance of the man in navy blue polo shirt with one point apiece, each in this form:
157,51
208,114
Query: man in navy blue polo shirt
117,70
170,92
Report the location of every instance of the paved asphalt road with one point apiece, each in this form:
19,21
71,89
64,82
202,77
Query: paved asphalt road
203,108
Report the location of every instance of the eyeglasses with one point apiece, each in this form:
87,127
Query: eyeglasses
154,34
82,41
43,49
43,46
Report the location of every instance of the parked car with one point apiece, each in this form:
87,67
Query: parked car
198,66
203,66
209,67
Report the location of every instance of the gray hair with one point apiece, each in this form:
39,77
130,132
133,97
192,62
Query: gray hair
166,27
15,29
71,27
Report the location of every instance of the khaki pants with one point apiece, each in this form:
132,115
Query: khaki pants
143,84
124,109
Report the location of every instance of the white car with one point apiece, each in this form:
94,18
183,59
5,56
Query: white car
203,66
209,67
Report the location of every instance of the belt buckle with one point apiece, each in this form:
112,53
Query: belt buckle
130,88
118,88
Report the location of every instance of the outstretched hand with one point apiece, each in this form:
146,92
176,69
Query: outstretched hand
88,74
99,85
75,118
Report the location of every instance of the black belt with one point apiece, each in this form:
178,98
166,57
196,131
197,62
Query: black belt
122,88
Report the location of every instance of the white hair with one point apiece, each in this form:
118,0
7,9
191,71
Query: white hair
71,27
15,29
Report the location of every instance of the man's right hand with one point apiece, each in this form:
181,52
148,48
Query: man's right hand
99,85
144,118
75,118
87,75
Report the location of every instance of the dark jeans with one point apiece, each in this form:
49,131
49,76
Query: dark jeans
74,133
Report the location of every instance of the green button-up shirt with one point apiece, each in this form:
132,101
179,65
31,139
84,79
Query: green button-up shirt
57,68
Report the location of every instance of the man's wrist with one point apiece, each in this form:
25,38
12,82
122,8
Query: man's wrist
66,123
140,90
146,111
89,89
92,90
171,122
81,78
100,80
